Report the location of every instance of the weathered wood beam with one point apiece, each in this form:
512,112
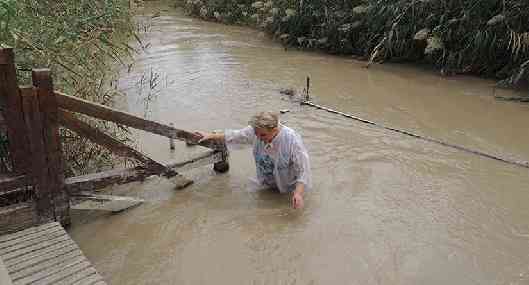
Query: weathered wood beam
98,111
11,103
17,217
39,170
210,157
110,203
42,80
95,181
9,184
117,147
100,180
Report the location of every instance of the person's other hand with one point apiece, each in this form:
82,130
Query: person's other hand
297,201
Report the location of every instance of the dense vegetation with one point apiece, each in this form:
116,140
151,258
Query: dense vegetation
81,41
484,37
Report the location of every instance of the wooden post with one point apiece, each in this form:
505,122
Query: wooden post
39,176
52,146
11,103
171,140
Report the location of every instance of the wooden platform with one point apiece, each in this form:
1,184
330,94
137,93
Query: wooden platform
45,255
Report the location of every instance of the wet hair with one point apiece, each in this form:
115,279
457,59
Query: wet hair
264,120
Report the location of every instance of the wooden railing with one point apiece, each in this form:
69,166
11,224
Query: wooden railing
33,116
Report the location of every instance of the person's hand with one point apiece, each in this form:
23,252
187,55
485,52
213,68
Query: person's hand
202,137
297,200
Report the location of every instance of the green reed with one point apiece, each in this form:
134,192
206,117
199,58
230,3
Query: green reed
83,42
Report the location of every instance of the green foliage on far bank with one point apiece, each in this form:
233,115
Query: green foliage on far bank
484,37
80,41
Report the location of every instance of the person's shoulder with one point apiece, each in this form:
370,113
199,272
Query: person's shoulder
291,133
288,131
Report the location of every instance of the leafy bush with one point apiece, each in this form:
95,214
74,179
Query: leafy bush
80,41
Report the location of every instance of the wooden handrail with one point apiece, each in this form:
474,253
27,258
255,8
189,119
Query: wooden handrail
117,147
98,111
100,180
8,183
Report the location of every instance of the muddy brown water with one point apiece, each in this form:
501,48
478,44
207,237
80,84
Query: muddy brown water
385,208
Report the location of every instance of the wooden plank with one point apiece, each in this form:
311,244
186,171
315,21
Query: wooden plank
210,157
41,246
90,280
16,262
56,262
54,274
108,203
17,217
52,258
43,236
66,272
4,275
28,232
9,183
11,103
68,120
30,238
100,180
78,276
42,80
98,111
44,257
39,175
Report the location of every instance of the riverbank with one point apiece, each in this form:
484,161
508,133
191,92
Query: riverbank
83,42
456,37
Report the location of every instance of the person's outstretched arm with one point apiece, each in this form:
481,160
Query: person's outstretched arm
210,137
232,138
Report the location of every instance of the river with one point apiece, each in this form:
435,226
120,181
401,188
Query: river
384,209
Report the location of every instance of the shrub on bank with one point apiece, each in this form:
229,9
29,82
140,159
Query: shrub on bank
486,38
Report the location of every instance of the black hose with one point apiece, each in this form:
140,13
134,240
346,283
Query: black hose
476,152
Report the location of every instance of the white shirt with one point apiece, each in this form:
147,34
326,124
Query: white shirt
281,163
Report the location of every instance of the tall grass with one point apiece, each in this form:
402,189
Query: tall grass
484,37
83,42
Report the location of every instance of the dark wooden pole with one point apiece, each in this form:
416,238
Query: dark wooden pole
43,82
11,105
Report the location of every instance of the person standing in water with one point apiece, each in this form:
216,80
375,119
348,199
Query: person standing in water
281,159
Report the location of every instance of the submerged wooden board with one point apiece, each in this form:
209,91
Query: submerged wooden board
45,255
106,203
100,180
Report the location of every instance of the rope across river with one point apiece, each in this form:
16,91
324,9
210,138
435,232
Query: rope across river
461,148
